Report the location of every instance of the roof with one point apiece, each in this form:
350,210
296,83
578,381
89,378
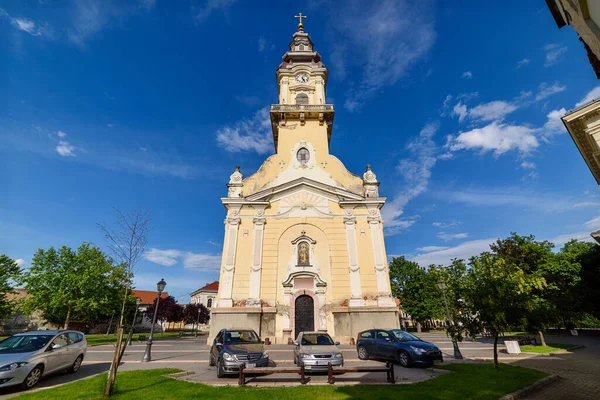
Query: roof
148,296
209,287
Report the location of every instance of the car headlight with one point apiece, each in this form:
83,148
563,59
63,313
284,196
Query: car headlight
418,350
13,366
228,357
303,355
338,355
265,355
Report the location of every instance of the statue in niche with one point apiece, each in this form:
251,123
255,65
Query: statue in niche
303,254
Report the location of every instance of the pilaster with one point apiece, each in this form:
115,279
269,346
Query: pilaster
256,261
384,298
232,223
356,299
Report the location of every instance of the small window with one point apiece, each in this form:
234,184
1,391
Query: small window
301,47
209,303
367,335
383,335
303,156
302,98
75,337
61,340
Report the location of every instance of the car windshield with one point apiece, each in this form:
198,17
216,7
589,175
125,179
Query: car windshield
232,337
402,335
24,343
316,339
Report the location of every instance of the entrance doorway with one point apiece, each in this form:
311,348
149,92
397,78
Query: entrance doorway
304,314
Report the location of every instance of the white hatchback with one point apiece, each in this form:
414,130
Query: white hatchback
26,357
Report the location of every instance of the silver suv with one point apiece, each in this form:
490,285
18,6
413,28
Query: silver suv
316,350
234,347
26,356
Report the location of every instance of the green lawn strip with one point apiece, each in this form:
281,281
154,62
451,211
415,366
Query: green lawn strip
467,381
545,349
98,339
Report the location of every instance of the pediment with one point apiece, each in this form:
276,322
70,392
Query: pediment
307,186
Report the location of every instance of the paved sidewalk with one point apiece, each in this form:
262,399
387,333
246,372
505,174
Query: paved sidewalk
579,370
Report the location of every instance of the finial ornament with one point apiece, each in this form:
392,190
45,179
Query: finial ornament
300,24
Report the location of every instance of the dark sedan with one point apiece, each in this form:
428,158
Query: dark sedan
234,347
396,345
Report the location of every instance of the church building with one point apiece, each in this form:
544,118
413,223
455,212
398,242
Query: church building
304,247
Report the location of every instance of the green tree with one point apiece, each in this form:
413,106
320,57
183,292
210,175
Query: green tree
9,269
417,290
500,294
70,285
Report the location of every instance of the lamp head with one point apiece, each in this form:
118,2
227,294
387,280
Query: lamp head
160,286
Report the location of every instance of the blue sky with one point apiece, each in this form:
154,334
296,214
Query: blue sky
456,106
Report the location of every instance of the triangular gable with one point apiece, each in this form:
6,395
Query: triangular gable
331,192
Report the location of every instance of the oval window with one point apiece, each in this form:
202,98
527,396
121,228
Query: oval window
303,156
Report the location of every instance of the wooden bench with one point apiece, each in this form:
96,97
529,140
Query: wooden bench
388,369
268,371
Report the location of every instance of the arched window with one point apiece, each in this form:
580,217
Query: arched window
302,98
209,303
303,253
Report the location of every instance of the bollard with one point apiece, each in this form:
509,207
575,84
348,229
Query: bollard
330,379
302,379
242,379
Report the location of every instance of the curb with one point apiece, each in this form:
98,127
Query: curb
557,352
534,387
177,375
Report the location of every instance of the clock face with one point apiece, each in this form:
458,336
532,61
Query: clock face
301,78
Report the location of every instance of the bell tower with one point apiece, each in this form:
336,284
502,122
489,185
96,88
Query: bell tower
302,82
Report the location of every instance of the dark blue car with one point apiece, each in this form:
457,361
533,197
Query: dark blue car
396,345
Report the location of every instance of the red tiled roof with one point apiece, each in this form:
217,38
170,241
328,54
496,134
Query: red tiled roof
148,296
210,286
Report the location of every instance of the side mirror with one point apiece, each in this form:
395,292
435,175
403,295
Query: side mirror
56,346
295,343
337,343
218,344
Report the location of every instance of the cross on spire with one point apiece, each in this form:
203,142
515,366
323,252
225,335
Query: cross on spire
300,24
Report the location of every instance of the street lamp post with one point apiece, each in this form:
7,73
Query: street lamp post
442,286
197,322
160,286
137,306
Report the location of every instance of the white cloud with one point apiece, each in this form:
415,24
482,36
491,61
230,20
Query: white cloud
523,62
195,261
20,262
61,134
463,251
593,224
391,36
554,123
65,149
587,204
451,236
467,74
560,240
252,134
416,172
429,249
591,95
460,110
29,26
496,137
554,53
211,6
527,165
444,225
546,90
494,110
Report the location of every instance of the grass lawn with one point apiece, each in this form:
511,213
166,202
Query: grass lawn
98,339
545,349
467,381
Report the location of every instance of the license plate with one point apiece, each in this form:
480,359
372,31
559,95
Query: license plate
250,365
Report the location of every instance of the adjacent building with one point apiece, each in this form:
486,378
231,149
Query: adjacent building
206,295
584,17
304,246
146,298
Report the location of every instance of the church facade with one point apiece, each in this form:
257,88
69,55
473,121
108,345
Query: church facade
304,246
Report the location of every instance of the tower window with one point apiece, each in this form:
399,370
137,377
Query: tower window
301,47
302,98
303,156
209,303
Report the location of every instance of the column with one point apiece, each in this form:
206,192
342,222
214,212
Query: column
256,263
384,295
226,284
356,299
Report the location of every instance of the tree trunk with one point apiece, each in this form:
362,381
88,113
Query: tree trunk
112,373
418,327
495,350
67,320
542,340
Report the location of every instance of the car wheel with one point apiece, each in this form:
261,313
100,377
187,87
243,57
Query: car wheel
76,365
404,359
220,372
211,360
33,377
362,353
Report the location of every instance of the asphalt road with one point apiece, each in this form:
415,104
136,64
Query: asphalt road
192,354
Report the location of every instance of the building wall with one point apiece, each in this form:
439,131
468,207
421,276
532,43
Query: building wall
584,17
